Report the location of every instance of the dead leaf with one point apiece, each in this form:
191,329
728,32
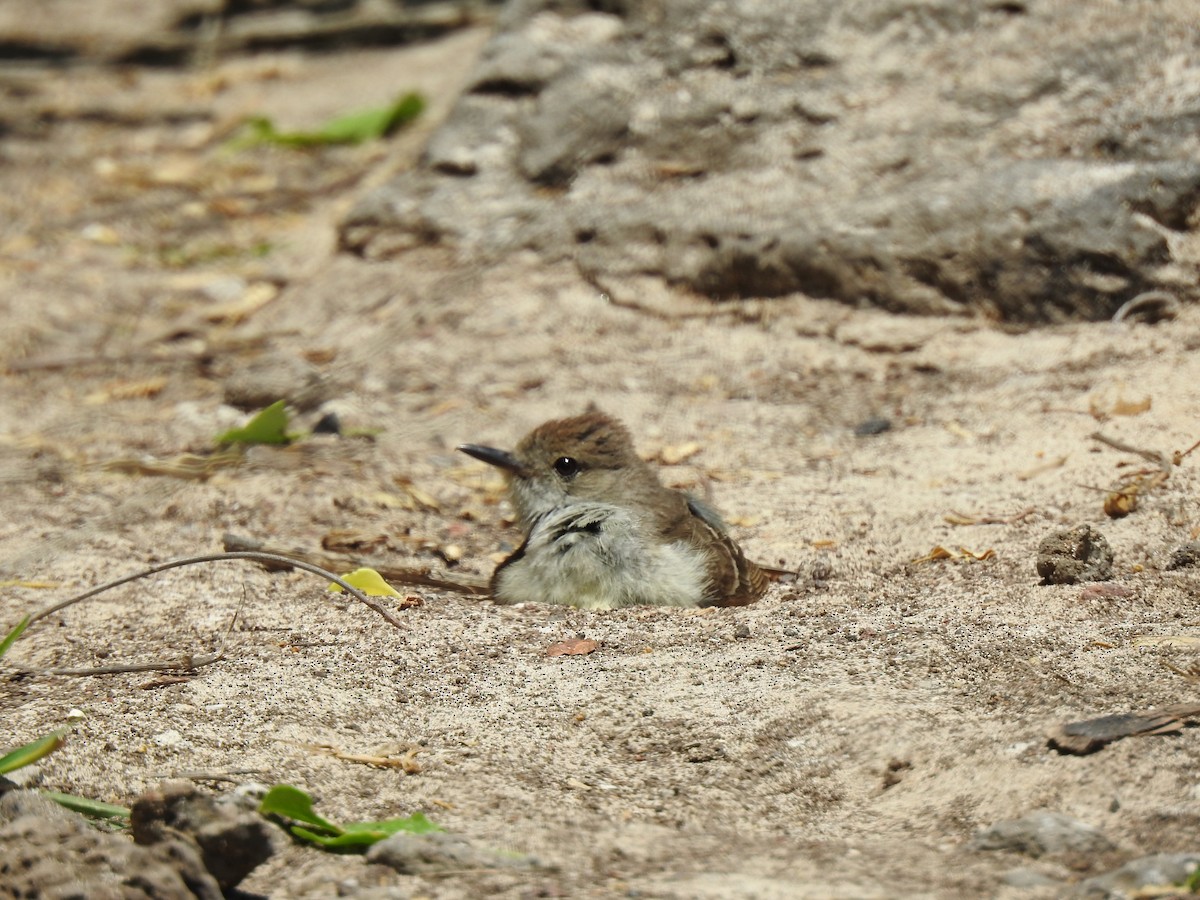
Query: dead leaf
953,517
1119,504
254,298
1090,735
419,497
958,431
1106,407
1125,407
1104,590
127,390
185,465
743,521
1043,468
572,647
936,553
673,455
386,759
940,553
386,500
971,554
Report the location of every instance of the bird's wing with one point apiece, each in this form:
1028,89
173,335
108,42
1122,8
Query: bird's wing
733,579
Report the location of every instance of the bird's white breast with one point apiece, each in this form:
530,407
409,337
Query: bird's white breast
599,556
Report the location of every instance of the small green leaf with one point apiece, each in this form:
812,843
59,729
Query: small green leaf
353,128
268,427
11,637
290,802
369,582
370,124
33,751
1192,885
93,808
350,842
414,824
358,836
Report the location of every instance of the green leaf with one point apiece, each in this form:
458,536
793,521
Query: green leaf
11,637
93,808
358,836
290,802
268,427
414,824
1192,885
353,128
33,751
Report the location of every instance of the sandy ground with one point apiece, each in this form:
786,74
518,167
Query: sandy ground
844,737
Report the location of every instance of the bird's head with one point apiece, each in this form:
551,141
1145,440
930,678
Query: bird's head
586,458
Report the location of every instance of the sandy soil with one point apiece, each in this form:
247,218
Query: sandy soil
844,737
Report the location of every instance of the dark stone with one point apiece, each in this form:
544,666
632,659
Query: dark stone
231,841
1186,556
329,423
873,425
1077,555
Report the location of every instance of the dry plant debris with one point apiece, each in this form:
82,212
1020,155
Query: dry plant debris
1090,735
573,647
940,553
1122,499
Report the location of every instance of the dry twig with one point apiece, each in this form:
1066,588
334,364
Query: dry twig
413,576
220,557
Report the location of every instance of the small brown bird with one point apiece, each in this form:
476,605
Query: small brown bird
601,531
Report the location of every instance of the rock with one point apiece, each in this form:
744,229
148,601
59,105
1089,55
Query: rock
231,840
1070,557
175,31
1186,556
437,852
47,851
1159,870
872,426
1022,169
1043,833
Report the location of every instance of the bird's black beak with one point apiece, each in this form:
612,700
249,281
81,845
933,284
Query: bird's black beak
501,459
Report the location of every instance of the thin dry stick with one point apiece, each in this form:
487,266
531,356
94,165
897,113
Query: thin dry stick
1154,456
408,575
219,557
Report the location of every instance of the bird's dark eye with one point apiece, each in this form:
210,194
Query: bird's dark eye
566,467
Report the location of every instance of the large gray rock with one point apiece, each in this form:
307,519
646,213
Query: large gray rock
1043,833
48,852
1028,161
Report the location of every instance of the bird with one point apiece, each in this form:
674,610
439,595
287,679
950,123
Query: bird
603,532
